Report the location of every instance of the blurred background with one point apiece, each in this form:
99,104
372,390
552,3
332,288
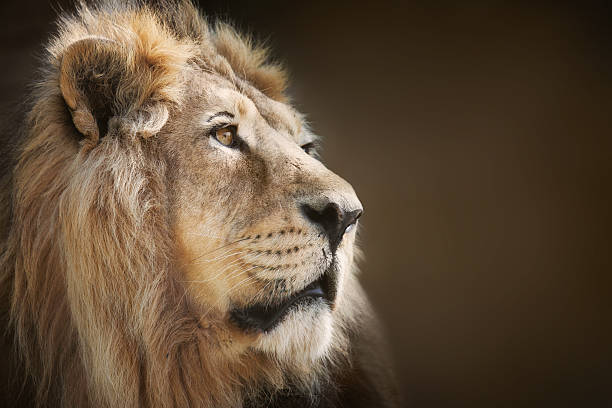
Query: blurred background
478,135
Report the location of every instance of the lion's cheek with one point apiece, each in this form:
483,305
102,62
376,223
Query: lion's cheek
196,259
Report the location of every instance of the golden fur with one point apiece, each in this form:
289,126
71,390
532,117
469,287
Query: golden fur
127,234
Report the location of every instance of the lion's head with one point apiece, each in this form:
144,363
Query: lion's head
174,239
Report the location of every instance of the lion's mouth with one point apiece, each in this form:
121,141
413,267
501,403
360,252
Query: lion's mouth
266,317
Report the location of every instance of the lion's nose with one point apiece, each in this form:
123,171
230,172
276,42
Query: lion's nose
334,221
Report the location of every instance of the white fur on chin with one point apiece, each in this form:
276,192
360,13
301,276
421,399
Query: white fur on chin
303,336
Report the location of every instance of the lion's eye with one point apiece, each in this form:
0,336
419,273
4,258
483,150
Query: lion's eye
226,135
309,148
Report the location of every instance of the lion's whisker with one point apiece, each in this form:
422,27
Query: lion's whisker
251,267
224,269
265,287
221,247
225,255
200,234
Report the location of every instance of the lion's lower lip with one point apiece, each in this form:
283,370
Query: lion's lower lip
266,317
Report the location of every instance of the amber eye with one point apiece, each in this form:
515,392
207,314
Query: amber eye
226,135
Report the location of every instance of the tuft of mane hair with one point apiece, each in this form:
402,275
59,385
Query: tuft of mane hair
72,216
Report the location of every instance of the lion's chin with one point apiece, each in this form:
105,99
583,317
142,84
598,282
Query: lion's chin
265,317
303,336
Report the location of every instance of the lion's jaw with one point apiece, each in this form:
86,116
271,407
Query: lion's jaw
252,259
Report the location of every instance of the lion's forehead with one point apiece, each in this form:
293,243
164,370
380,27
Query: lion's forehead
217,94
279,115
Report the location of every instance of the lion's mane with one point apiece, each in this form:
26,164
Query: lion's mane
90,297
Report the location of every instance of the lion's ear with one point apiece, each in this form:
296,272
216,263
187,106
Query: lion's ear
91,73
102,80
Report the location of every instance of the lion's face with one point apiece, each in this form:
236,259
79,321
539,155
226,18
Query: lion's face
264,231
173,239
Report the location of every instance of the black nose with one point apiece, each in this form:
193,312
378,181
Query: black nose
333,220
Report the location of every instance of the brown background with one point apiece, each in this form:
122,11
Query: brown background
478,136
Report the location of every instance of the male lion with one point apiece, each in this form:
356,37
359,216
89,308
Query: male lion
169,237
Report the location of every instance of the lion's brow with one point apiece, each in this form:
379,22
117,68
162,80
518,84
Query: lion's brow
224,113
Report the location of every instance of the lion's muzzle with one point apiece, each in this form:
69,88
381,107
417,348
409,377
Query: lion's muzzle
333,220
265,317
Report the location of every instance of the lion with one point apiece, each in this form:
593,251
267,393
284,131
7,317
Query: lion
169,236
